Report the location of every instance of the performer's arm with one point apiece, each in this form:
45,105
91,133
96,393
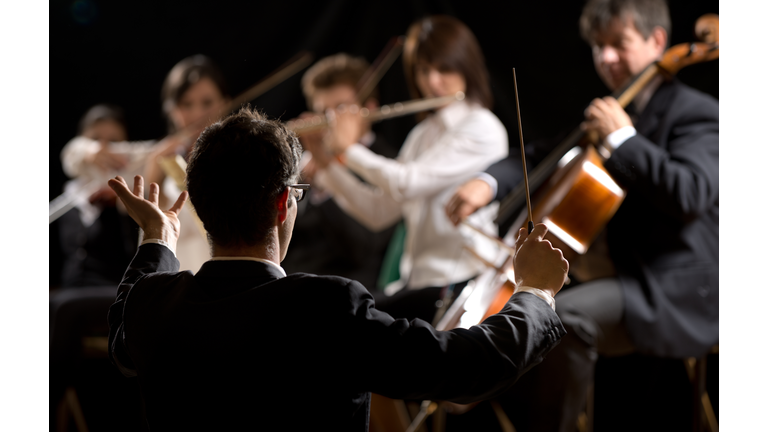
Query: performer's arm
496,182
412,360
367,204
458,154
681,179
82,153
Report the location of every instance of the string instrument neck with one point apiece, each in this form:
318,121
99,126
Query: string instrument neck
673,59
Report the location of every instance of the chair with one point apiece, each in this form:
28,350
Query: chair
703,413
93,347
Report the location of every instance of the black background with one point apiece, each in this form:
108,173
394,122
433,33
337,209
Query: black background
120,52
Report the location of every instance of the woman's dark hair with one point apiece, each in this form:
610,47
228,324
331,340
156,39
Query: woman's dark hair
99,113
237,169
449,45
186,73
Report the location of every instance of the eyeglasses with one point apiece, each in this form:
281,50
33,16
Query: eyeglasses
299,191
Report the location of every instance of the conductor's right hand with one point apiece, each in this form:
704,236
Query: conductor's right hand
537,264
157,224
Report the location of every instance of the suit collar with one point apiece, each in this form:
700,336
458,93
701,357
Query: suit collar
224,278
248,258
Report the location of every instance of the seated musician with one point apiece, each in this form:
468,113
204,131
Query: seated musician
96,241
240,345
441,58
328,240
193,89
656,291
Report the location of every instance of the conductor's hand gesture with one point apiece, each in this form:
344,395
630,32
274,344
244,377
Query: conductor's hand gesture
157,224
537,263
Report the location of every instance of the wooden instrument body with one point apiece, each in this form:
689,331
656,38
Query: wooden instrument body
576,202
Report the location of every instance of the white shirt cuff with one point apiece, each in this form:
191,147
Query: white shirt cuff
617,137
538,293
160,242
484,176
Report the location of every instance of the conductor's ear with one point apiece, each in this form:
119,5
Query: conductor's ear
282,205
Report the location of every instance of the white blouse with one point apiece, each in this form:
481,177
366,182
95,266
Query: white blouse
439,154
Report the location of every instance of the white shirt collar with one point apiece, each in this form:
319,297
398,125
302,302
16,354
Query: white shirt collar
246,258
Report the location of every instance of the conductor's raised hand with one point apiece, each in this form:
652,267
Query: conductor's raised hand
157,224
537,263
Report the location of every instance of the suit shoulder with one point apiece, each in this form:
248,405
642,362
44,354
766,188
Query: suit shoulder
156,284
696,103
336,289
326,281
162,278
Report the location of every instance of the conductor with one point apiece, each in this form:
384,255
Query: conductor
241,344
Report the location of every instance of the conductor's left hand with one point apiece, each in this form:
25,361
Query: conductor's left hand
157,224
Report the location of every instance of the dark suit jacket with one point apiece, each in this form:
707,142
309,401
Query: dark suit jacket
238,346
664,237
329,241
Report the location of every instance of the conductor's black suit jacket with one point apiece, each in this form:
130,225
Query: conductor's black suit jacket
664,238
238,346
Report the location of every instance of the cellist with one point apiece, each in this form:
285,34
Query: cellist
441,58
656,291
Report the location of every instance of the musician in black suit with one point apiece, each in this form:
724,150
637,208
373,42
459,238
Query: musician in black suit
656,292
240,344
328,240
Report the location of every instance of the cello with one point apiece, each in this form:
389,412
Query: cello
559,183
576,197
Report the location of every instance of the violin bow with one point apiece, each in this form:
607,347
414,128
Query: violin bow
379,67
296,63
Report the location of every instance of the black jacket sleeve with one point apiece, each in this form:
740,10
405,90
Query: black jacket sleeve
680,177
508,172
149,258
412,360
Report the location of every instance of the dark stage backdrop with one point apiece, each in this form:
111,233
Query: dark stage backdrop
120,51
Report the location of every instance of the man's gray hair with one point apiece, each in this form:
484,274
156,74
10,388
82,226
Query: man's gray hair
645,14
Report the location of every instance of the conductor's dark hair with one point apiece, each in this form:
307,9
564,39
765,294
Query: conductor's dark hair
448,45
186,73
237,169
645,14
99,113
